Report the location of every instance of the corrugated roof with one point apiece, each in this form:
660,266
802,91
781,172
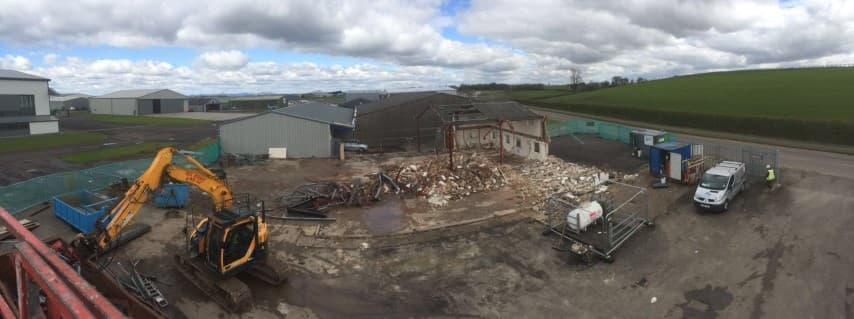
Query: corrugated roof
669,146
391,101
16,75
257,98
486,111
129,94
320,112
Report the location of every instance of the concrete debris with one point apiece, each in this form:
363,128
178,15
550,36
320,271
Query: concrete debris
432,179
429,178
540,179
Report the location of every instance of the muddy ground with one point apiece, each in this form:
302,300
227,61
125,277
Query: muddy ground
592,150
24,165
780,254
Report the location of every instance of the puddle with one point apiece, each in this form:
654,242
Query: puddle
341,298
384,217
705,303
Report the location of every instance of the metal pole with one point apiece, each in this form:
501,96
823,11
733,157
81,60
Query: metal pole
449,133
500,144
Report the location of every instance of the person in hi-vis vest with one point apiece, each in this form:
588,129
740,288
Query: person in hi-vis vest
770,177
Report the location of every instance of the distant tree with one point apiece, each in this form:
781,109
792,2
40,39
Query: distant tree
575,78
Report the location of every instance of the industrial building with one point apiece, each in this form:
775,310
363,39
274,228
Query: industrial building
139,102
305,130
367,95
391,121
258,102
516,128
24,105
67,101
204,104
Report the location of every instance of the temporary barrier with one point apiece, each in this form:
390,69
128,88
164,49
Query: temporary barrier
22,195
604,130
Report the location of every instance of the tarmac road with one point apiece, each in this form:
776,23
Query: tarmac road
827,163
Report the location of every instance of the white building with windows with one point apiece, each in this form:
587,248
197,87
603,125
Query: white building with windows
24,105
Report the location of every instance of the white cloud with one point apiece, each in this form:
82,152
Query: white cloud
73,74
225,60
662,37
396,31
524,41
50,58
15,62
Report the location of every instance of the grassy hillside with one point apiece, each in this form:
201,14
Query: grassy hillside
804,104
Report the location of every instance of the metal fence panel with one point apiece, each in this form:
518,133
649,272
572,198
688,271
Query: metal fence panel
22,195
755,158
604,130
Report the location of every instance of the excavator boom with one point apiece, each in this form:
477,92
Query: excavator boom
126,209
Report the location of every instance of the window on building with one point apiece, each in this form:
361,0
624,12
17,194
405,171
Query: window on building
536,147
518,142
507,139
493,135
17,105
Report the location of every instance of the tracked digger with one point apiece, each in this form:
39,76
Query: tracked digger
230,240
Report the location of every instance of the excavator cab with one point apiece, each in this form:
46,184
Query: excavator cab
233,241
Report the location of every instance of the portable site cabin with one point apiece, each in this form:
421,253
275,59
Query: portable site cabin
667,159
642,139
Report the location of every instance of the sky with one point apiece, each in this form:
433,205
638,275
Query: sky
291,46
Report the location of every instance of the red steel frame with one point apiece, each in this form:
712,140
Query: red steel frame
68,294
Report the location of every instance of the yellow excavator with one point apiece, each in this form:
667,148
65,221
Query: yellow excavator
230,240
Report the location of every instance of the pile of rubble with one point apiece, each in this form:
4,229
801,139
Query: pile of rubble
429,178
433,179
541,179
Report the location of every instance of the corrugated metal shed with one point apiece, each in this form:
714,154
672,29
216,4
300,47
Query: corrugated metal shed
139,102
321,112
392,101
143,94
305,133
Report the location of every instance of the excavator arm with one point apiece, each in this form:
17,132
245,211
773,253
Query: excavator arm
126,209
219,192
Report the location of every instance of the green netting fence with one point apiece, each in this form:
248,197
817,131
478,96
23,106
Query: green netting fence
23,195
604,130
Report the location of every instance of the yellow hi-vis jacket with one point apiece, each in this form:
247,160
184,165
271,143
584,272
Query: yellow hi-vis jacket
771,176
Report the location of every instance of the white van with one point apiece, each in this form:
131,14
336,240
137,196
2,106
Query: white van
719,186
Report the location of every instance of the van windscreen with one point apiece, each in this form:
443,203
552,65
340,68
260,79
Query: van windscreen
714,182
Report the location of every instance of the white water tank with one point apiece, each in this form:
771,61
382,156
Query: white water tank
586,213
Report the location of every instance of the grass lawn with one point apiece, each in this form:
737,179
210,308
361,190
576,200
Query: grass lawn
111,153
201,144
537,94
802,94
145,120
32,142
799,104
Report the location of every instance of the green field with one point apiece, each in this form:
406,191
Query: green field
23,143
802,104
144,120
112,153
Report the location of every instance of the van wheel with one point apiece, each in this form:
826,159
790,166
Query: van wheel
726,205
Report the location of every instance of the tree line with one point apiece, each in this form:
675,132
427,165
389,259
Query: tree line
576,84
